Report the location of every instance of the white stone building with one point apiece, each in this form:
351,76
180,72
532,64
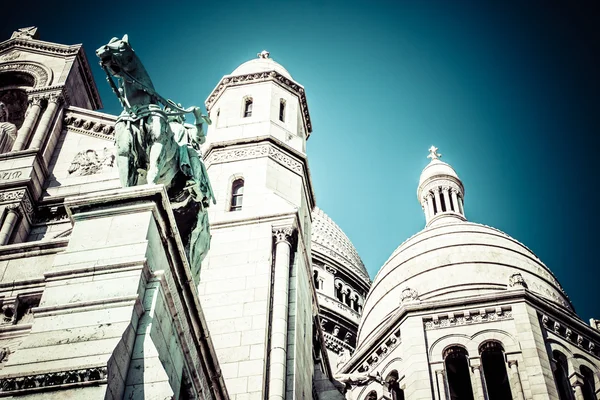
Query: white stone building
96,291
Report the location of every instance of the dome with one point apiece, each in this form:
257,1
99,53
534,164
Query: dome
451,261
329,240
261,64
436,168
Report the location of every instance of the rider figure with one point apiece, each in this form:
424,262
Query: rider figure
190,137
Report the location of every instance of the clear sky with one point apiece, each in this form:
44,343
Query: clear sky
510,93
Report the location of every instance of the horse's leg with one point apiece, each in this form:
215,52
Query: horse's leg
156,128
124,142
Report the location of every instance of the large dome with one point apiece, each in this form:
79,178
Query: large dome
330,240
455,260
261,65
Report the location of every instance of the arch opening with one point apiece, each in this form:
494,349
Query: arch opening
457,373
494,370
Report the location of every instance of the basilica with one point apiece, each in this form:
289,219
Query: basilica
101,299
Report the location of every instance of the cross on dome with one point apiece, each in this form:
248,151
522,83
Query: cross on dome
433,154
263,54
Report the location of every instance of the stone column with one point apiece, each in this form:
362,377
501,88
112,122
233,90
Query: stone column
576,381
438,200
461,206
426,210
430,205
10,221
47,118
516,379
441,384
455,201
446,191
344,295
279,315
478,379
33,113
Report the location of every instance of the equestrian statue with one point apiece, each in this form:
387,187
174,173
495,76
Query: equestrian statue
156,146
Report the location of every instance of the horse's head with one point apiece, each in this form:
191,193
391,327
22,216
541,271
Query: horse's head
117,56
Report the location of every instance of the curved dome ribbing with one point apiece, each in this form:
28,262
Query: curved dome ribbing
330,240
452,261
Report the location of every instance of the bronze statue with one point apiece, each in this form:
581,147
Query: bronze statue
154,145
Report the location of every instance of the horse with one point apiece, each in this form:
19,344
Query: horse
146,145
144,141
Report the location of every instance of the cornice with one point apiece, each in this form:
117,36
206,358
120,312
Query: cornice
475,302
267,76
89,123
40,46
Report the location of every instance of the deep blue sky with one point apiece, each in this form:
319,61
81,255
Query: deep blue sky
510,93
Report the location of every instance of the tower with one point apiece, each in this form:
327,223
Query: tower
256,282
463,311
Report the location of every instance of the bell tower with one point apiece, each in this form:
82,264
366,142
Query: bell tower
256,282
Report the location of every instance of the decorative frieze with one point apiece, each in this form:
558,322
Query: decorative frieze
53,379
79,123
22,201
217,156
40,74
569,334
336,345
390,343
467,317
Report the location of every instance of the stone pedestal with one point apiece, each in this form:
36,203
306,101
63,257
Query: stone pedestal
118,315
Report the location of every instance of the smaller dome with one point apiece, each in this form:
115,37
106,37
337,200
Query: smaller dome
329,239
261,64
436,168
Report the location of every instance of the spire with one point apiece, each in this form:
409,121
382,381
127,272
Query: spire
440,191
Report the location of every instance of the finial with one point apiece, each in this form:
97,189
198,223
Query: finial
433,154
26,33
263,54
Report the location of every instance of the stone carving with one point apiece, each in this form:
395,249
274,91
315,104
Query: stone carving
155,146
283,234
409,296
391,342
263,54
8,130
26,33
89,162
334,344
517,280
53,379
245,153
433,154
465,318
353,380
347,337
13,55
336,331
40,75
569,334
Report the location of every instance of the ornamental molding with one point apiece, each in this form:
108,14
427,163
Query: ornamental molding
268,76
517,280
570,335
284,234
381,352
42,76
38,45
431,184
221,155
21,200
88,126
53,380
469,317
336,345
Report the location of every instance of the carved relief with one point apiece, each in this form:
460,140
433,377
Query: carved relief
89,162
466,317
53,379
517,280
409,295
245,153
569,334
90,127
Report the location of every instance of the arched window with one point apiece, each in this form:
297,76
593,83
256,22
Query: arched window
457,372
338,291
589,386
393,385
494,370
282,110
372,395
248,107
348,299
237,195
442,206
560,369
452,205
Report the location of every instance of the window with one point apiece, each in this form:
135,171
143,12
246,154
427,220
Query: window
338,291
457,371
559,367
453,206
589,386
282,110
248,107
237,195
494,370
442,201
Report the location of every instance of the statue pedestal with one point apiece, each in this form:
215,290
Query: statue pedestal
119,315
